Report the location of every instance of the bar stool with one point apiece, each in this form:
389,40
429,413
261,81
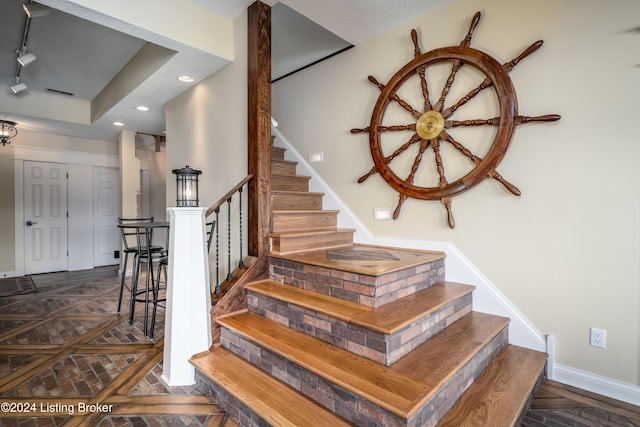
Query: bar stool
162,268
139,252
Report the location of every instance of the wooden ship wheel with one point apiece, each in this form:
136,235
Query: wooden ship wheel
431,126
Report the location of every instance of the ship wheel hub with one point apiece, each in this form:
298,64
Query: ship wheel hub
430,124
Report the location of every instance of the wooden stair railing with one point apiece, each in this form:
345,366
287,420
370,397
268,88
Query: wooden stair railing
228,198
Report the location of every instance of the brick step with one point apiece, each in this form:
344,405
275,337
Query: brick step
296,200
417,390
369,275
383,335
506,386
254,398
305,220
289,182
283,167
283,243
277,153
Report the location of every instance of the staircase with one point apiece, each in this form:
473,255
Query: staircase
346,334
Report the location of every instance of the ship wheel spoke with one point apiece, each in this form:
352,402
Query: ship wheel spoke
395,128
415,113
446,200
476,161
457,64
507,67
409,180
496,120
386,160
421,72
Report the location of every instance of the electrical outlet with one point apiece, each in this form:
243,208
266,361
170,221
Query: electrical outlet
598,338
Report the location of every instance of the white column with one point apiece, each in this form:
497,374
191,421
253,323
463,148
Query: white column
187,318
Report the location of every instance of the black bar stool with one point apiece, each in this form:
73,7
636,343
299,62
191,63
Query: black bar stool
141,238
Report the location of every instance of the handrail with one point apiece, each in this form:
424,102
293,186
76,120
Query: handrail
215,232
231,192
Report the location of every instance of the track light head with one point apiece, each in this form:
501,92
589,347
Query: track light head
18,87
34,10
26,59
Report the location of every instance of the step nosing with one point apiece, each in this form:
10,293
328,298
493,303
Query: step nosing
312,232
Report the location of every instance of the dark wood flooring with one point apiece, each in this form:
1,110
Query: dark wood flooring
67,358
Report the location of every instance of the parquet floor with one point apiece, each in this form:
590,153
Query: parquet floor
68,359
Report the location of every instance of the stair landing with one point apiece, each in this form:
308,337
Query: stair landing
365,259
369,275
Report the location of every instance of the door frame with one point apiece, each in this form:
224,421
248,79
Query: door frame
39,154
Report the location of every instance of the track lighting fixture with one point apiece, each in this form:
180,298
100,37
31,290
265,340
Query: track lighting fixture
18,87
26,59
7,131
34,10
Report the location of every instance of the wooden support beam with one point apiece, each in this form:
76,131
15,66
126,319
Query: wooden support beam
259,132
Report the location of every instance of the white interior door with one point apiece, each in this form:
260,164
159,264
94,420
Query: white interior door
106,208
45,215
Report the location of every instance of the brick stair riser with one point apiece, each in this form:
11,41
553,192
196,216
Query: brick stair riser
363,289
236,409
367,343
355,408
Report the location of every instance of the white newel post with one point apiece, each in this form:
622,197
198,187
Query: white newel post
187,318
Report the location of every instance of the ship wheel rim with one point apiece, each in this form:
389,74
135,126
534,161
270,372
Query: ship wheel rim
505,93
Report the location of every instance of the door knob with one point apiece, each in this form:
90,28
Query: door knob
30,223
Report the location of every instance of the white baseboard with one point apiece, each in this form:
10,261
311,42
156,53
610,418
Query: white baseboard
5,274
594,383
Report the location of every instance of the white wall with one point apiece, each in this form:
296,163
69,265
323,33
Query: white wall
566,252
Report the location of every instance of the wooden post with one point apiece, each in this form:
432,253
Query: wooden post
259,112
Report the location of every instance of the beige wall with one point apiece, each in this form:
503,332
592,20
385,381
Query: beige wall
207,127
207,130
566,252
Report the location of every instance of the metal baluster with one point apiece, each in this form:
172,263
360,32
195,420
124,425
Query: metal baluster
229,275
241,263
217,251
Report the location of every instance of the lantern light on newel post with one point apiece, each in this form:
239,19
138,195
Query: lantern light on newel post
187,186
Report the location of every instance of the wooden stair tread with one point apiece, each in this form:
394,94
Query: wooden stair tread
387,319
287,175
299,193
398,391
303,233
398,259
272,400
290,162
499,395
304,212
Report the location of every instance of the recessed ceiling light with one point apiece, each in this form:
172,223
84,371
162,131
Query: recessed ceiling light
186,79
142,108
118,124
